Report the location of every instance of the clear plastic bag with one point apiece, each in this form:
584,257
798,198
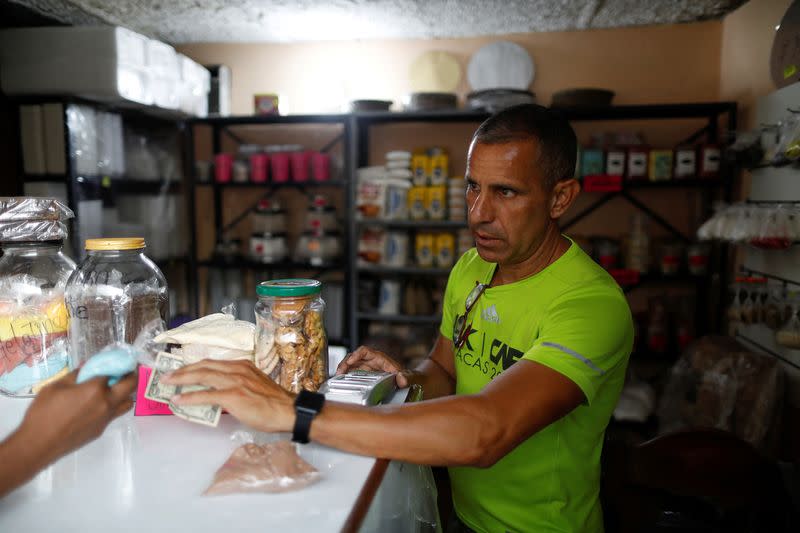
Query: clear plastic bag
774,231
262,467
28,219
716,383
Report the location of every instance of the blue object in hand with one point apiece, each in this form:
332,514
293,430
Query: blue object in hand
113,362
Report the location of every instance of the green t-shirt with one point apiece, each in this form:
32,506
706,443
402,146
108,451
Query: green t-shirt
573,318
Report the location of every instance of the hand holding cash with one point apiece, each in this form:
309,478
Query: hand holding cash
161,392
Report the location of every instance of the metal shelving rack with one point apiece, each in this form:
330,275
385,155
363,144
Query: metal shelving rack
221,126
711,112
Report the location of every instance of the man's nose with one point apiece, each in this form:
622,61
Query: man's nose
481,209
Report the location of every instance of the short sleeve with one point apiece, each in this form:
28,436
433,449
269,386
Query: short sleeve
586,335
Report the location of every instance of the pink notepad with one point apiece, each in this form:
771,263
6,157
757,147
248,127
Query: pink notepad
145,407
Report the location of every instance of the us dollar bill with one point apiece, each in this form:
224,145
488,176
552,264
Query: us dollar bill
160,392
207,415
156,390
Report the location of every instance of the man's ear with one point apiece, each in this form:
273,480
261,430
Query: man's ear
564,194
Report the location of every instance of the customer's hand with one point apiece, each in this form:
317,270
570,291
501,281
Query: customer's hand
240,388
365,358
65,416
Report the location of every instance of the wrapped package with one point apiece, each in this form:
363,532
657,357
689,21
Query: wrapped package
219,329
717,383
271,467
29,219
193,353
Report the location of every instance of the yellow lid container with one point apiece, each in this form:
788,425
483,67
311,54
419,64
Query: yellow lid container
122,243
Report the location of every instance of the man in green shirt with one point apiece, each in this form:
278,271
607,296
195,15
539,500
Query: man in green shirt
529,363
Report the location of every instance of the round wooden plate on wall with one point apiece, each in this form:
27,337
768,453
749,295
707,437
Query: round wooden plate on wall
785,57
435,72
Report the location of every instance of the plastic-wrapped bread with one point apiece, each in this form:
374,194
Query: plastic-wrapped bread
218,329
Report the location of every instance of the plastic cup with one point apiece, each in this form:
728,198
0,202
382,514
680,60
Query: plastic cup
320,166
279,163
223,168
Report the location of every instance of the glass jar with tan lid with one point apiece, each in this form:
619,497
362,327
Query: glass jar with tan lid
113,295
291,344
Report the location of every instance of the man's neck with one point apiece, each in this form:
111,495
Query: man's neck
549,250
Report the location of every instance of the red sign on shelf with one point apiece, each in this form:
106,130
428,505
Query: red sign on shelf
602,183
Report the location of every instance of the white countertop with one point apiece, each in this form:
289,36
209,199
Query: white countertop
147,474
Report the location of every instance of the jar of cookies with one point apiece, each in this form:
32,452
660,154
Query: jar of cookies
291,344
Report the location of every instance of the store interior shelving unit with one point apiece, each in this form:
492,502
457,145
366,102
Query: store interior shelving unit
79,187
717,116
226,134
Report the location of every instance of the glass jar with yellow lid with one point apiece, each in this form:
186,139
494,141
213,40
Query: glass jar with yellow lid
115,292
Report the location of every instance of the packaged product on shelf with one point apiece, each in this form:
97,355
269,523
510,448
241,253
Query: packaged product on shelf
685,162
396,253
465,241
33,274
299,162
223,168
396,199
318,247
637,162
321,215
709,161
259,168
423,247
592,162
291,344
371,246
607,252
444,250
115,292
268,217
789,333
670,258
615,162
439,169
697,259
370,195
320,166
416,202
638,258
660,168
399,156
436,202
269,247
389,297
456,199
421,167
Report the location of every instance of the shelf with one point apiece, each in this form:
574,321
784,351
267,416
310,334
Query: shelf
446,115
410,224
242,120
123,185
42,178
698,183
404,271
400,319
256,265
648,111
271,185
651,278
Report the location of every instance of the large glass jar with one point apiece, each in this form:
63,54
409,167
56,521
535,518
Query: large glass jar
291,344
33,318
113,295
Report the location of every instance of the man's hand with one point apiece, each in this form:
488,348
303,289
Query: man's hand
240,388
365,358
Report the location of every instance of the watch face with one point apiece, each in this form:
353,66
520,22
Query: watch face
310,401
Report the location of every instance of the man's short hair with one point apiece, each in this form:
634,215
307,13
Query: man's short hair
524,122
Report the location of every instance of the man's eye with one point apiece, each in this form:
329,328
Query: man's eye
507,193
472,186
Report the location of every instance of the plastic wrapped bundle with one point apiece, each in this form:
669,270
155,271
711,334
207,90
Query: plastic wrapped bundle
27,219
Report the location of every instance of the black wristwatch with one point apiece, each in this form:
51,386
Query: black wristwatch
307,405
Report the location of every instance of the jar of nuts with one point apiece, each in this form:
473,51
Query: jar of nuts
291,344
